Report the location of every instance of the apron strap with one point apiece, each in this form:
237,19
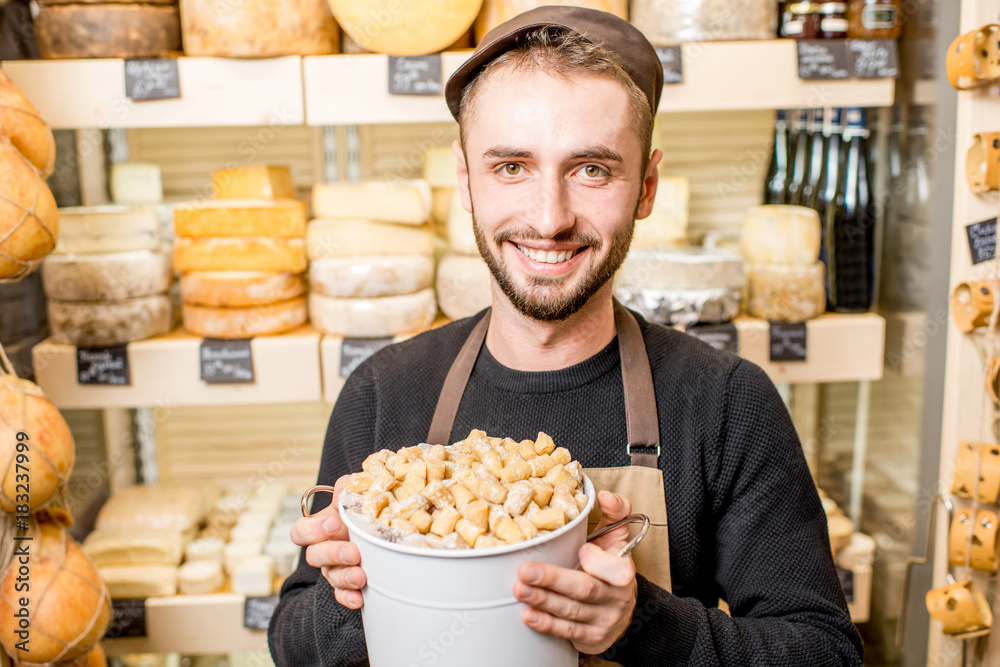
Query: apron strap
454,384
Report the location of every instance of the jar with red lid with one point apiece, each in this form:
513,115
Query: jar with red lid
875,19
800,20
833,20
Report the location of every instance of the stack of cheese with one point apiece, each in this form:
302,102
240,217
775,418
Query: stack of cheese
241,256
785,279
371,253
95,29
258,28
108,280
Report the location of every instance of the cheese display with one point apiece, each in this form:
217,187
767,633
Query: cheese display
29,220
107,31
372,318
235,553
461,234
175,508
24,128
349,238
133,547
252,575
371,275
240,288
786,293
667,224
204,548
441,167
200,577
259,181
241,217
666,23
463,286
780,235
245,322
136,183
104,323
140,581
258,28
408,28
401,201
496,12
102,229
107,276
285,255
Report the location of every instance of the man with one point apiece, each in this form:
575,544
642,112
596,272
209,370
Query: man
555,165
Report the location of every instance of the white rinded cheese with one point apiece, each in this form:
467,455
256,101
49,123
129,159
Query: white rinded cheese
249,532
461,235
107,276
239,254
139,581
372,318
371,275
204,548
245,322
350,238
780,235
200,577
240,288
405,28
405,202
463,285
104,323
785,292
107,229
441,167
667,224
252,576
235,553
673,269
257,181
241,217
285,554
136,183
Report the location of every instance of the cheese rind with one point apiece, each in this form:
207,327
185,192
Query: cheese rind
101,229
240,288
107,31
350,238
372,318
104,323
285,218
245,322
200,577
681,269
463,286
258,181
108,276
461,234
786,293
284,255
371,275
781,235
414,27
136,183
403,201
258,28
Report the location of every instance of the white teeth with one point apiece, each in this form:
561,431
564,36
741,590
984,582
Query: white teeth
553,257
547,257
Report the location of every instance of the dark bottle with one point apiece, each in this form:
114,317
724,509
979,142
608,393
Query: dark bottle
799,159
817,156
777,171
826,191
850,230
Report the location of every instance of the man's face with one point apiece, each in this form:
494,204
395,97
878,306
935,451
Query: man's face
555,174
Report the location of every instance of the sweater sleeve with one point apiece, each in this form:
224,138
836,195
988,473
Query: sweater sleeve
309,626
773,562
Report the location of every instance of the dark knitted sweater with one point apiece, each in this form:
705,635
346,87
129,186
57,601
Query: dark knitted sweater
746,524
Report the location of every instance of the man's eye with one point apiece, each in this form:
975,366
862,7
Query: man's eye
593,171
512,169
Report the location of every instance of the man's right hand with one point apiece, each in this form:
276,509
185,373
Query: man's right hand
325,537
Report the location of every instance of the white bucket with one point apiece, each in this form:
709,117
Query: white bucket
456,608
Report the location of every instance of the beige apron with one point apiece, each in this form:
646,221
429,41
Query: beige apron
641,482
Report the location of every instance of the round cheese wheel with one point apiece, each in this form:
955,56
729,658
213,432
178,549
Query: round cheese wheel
21,124
780,235
372,275
107,31
239,254
786,292
463,286
107,277
409,28
496,12
240,288
107,229
284,218
258,28
29,220
104,323
245,322
380,317
350,238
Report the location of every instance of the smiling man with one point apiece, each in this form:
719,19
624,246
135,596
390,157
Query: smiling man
555,110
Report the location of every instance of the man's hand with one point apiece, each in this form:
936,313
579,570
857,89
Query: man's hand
325,537
592,608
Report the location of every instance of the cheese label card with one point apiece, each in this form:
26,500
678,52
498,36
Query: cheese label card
353,351
257,612
672,62
103,365
226,361
152,79
415,75
788,341
720,336
982,240
874,58
128,618
823,59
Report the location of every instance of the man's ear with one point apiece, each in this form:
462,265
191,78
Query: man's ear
463,175
650,179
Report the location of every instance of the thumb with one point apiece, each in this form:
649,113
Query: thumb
614,507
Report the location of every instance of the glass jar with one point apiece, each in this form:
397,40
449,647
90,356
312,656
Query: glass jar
875,19
833,20
801,21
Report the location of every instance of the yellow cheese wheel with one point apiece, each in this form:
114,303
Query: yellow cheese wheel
241,217
402,201
258,28
496,12
29,220
379,317
245,322
21,124
240,288
405,27
239,254
349,238
258,181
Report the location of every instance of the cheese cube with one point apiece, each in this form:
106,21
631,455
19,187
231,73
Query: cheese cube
136,183
258,181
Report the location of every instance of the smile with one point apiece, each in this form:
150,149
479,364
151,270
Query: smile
548,256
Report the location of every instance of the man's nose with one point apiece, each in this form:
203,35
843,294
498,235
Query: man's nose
551,212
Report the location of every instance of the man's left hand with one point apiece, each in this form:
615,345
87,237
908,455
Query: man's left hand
592,608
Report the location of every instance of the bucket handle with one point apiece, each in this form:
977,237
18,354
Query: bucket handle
634,542
309,494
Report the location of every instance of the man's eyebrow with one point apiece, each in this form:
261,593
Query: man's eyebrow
501,152
598,152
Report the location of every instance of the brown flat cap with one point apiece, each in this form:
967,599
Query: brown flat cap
637,55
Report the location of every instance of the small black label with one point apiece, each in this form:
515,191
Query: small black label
152,79
720,336
226,361
415,75
353,351
257,612
846,582
103,365
672,62
128,618
823,59
874,58
788,341
982,240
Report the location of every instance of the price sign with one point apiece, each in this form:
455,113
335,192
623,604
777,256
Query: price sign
874,58
672,62
257,612
846,582
103,365
823,59
415,75
982,240
788,341
353,351
720,336
128,618
151,79
226,361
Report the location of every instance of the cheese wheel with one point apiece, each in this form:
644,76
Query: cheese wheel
440,206
413,27
29,220
258,181
200,577
371,275
240,288
252,576
258,28
140,581
441,167
133,547
103,229
107,277
107,31
780,235
104,323
702,21
463,286
667,224
245,322
786,293
24,128
676,269
461,233
403,201
241,217
136,183
204,548
372,318
350,238
286,255
236,552
496,12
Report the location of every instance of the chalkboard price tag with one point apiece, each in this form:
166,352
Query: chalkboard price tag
672,62
257,612
152,79
720,336
103,365
128,618
226,361
415,75
823,59
874,58
353,351
788,341
982,240
846,582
